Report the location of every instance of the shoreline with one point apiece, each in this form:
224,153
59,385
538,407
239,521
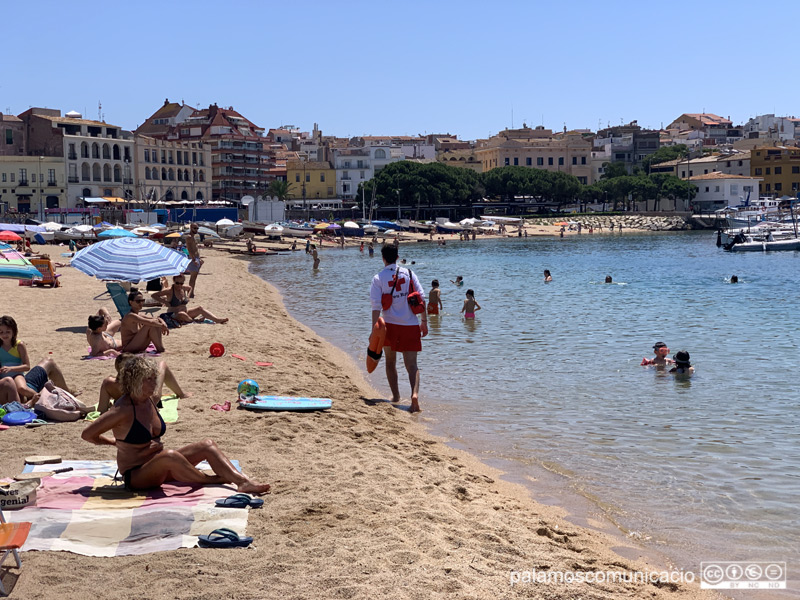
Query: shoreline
361,485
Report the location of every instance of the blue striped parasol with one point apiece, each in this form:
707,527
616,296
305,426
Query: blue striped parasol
14,265
129,259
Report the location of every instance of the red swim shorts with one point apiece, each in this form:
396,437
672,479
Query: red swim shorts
403,338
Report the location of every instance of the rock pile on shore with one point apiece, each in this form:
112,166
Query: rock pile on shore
659,223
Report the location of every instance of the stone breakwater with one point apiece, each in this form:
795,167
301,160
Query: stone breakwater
602,223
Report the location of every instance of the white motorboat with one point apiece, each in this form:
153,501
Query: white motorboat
295,230
764,245
274,231
232,231
352,229
448,227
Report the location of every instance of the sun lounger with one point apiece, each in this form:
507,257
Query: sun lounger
12,537
48,271
120,298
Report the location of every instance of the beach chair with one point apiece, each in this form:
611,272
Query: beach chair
120,298
12,537
48,271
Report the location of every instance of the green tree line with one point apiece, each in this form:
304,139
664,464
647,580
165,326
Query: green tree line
423,185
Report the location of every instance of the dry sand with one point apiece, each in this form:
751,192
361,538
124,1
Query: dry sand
365,503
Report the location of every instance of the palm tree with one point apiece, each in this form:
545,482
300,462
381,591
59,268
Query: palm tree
279,189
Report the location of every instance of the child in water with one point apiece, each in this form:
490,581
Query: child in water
547,277
661,358
470,305
435,298
459,281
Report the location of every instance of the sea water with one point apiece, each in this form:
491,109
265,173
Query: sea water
549,374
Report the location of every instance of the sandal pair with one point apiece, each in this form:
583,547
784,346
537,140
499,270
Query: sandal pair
240,501
224,538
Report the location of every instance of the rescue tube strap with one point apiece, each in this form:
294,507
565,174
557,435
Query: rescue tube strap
374,355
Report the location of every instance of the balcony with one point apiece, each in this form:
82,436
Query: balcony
127,181
23,182
72,156
52,183
72,179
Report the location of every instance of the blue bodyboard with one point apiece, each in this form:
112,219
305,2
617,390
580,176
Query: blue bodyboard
287,403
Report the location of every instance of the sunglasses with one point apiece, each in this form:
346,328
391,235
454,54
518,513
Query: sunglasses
138,300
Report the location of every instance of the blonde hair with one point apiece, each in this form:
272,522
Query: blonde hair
133,373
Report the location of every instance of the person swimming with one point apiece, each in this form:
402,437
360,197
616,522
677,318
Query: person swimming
682,364
661,358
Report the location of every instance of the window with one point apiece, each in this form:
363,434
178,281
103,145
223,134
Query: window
180,158
706,189
12,177
778,170
9,136
360,164
740,163
574,160
550,161
768,171
778,187
347,164
362,174
33,177
51,176
683,174
747,188
583,160
507,161
795,170
560,161
716,188
4,177
163,157
297,178
322,177
380,153
705,171
758,170
539,161
767,188
734,189
516,161
308,177
528,162
23,176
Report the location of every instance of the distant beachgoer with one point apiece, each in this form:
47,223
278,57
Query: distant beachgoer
100,334
608,279
308,245
402,261
470,305
580,226
611,226
547,277
435,299
682,364
591,229
561,232
459,281
138,331
138,427
315,256
194,255
526,233
110,389
404,332
361,247
661,358
251,247
619,227
294,245
734,279
396,241
371,249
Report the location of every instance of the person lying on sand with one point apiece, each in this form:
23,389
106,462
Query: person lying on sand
177,298
138,331
138,428
100,334
111,390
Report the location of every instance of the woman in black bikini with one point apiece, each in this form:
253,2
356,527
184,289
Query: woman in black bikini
177,298
138,427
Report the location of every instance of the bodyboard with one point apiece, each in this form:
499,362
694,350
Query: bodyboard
287,403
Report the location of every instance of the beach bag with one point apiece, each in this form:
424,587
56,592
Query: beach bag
415,301
387,299
18,494
55,404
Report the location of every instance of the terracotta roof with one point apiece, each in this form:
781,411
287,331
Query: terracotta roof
77,121
168,110
708,118
719,175
9,118
311,165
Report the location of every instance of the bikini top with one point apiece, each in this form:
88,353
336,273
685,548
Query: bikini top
10,358
175,301
139,433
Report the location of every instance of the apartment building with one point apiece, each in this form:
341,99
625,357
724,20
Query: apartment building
97,156
309,179
356,165
240,162
717,190
12,136
628,144
779,170
30,184
716,130
539,149
770,127
171,171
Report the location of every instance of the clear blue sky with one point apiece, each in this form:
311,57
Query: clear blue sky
403,68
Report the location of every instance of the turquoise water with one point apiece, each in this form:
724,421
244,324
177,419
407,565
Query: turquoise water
549,374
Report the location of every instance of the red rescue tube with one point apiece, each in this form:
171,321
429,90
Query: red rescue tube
376,340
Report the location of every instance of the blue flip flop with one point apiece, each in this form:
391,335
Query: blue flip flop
240,501
224,538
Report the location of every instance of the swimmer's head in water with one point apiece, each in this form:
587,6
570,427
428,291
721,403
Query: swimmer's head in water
682,359
661,349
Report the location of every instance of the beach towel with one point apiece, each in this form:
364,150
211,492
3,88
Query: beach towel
168,410
85,512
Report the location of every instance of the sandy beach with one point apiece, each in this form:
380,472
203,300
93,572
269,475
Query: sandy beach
365,502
